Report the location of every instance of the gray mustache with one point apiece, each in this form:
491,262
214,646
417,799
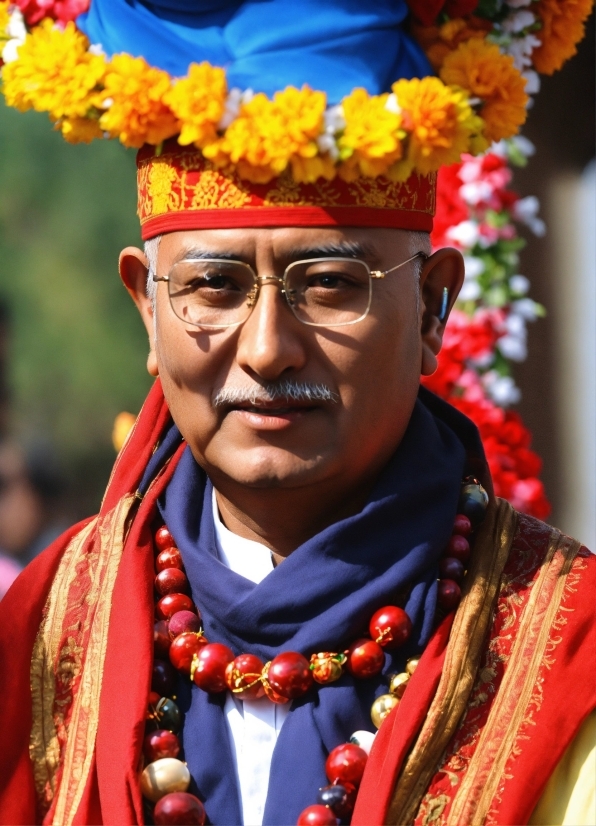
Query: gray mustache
272,391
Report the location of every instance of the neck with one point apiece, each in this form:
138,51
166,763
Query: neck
283,519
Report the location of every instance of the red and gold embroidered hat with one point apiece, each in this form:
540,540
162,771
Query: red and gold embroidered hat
178,189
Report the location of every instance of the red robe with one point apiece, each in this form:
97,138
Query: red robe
499,693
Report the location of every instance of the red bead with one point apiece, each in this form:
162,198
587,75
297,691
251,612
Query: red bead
154,698
171,603
316,815
449,594
462,525
171,581
170,558
184,649
160,743
345,765
161,640
365,659
390,626
451,568
289,675
242,677
163,538
179,809
211,663
164,678
183,621
458,547
273,695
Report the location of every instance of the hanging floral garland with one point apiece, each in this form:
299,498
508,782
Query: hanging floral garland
487,55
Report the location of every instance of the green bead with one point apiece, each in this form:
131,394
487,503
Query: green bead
473,502
168,715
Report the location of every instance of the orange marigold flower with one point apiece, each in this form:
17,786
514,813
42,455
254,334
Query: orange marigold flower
198,101
80,130
371,140
268,135
54,72
481,69
439,121
438,41
133,97
562,28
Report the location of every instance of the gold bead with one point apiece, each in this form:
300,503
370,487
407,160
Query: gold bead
381,708
398,684
412,664
164,776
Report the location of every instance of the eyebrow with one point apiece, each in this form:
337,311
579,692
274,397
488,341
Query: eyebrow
341,249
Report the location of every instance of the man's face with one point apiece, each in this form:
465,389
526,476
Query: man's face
372,368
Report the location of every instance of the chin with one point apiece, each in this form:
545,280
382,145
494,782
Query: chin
267,468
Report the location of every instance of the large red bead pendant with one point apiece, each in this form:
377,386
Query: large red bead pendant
160,743
209,668
289,675
345,765
390,626
365,659
316,815
179,809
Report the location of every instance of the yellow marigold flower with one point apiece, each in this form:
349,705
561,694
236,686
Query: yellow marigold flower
562,28
438,41
80,130
134,95
370,142
4,19
439,121
268,135
481,69
54,72
198,101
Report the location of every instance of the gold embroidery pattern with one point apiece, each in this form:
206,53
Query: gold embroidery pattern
67,663
185,181
473,770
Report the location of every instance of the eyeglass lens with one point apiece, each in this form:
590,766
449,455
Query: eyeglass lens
216,293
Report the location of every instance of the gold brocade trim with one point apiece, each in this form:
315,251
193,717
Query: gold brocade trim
80,746
512,706
44,746
463,655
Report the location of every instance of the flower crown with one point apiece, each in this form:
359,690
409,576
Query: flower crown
486,54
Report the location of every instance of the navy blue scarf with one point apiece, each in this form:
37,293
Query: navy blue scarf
320,598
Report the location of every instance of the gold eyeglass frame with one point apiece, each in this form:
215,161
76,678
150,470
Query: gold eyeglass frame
261,280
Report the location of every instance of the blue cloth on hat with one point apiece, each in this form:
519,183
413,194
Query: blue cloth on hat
266,45
319,599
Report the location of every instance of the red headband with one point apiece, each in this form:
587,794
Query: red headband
179,190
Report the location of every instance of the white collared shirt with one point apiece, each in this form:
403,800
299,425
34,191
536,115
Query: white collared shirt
253,725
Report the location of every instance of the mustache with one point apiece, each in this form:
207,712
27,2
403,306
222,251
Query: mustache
272,391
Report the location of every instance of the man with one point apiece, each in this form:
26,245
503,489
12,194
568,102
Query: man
307,482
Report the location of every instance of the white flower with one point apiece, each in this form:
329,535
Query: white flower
513,348
326,143
334,119
518,4
526,211
470,170
466,233
474,266
234,101
519,284
97,50
518,21
524,146
501,389
521,49
470,290
16,26
475,192
532,81
392,105
525,307
10,51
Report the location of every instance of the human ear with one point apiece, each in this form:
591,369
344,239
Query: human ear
133,267
440,282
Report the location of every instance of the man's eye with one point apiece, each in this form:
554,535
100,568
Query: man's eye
213,282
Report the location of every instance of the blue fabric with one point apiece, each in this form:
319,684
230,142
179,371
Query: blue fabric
266,45
320,598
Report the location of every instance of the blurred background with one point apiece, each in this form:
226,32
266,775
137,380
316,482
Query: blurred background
73,351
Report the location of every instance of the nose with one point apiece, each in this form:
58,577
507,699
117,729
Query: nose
272,340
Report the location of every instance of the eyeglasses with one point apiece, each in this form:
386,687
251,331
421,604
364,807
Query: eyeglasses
321,292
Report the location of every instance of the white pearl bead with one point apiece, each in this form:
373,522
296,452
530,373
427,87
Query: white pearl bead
364,739
164,776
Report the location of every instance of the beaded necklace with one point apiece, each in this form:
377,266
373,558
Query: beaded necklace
180,645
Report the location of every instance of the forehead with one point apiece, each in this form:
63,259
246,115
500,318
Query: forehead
279,243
